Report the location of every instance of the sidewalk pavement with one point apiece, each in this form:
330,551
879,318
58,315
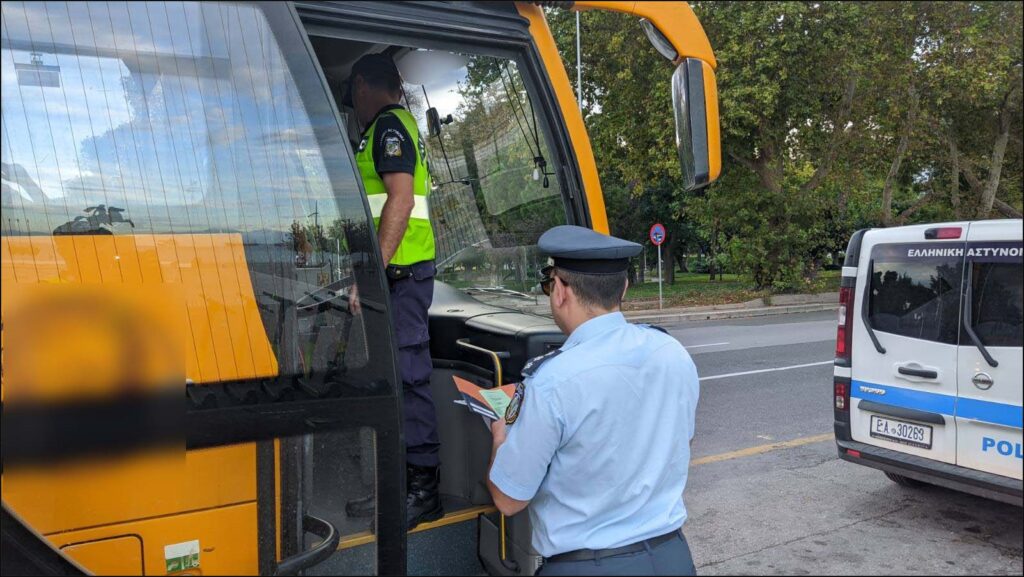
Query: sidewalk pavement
780,304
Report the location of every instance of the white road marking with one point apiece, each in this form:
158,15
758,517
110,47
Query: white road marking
828,362
707,345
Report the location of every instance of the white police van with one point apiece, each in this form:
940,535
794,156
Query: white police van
928,370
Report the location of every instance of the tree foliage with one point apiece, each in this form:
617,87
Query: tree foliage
834,115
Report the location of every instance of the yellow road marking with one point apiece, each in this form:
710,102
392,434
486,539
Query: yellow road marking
761,449
366,537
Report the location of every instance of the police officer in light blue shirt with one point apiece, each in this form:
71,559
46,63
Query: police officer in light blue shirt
597,438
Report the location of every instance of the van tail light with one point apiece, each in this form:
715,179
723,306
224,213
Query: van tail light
844,329
842,394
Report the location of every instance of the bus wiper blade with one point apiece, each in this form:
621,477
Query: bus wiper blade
500,291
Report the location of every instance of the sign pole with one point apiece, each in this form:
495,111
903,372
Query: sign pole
657,236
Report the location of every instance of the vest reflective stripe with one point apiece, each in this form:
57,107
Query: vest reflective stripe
421,210
418,242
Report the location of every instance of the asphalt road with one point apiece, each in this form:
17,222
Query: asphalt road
767,493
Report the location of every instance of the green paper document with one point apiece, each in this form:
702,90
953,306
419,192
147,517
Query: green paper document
497,399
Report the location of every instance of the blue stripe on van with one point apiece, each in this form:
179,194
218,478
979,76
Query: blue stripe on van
989,412
984,411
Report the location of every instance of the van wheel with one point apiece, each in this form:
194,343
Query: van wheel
904,481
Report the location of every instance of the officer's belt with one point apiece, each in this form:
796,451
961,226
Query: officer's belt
595,554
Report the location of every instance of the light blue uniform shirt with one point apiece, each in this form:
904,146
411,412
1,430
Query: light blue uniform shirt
601,447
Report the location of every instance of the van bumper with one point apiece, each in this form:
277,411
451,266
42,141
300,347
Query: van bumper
988,485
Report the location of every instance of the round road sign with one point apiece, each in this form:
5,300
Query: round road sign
658,234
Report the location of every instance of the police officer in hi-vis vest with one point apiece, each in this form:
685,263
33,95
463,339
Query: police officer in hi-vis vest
392,164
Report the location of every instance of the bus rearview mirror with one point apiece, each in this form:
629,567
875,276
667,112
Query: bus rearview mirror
695,104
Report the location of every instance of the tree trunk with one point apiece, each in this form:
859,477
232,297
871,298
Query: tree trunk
668,265
712,252
901,150
988,195
954,184
681,258
763,169
838,135
903,216
1006,209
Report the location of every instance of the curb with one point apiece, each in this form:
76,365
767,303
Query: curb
655,317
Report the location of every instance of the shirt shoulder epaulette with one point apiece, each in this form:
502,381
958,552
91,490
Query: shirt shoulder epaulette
655,327
531,366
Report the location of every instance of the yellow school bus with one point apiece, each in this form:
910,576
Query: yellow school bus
180,203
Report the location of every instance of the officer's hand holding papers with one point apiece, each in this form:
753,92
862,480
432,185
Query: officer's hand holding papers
490,404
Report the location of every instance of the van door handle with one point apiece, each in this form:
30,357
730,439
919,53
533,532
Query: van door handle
923,373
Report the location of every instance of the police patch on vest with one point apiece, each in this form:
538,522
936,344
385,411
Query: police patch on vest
391,142
392,147
512,411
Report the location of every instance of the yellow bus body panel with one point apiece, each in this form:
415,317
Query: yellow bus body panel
675,20
227,542
110,556
714,134
165,497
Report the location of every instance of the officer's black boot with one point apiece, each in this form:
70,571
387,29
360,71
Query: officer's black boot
423,502
362,507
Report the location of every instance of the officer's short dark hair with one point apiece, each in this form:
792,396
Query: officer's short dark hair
379,71
595,290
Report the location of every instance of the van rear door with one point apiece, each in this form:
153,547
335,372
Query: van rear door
988,411
904,371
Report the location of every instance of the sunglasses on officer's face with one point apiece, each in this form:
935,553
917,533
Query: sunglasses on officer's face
547,279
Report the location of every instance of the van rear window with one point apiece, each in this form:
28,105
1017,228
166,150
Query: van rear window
997,292
915,291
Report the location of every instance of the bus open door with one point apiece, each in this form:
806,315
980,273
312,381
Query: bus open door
194,160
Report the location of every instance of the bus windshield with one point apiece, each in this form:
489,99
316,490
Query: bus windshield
494,191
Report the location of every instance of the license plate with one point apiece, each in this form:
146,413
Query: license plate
901,432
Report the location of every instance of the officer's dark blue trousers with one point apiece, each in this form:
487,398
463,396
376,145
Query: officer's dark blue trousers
669,558
410,299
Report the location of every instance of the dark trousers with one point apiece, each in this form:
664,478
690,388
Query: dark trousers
669,558
410,299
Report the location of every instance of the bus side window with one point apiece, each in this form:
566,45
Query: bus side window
194,129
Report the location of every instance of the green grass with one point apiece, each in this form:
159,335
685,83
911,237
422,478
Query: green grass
696,289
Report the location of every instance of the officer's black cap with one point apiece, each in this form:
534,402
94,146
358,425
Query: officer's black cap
376,68
582,250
